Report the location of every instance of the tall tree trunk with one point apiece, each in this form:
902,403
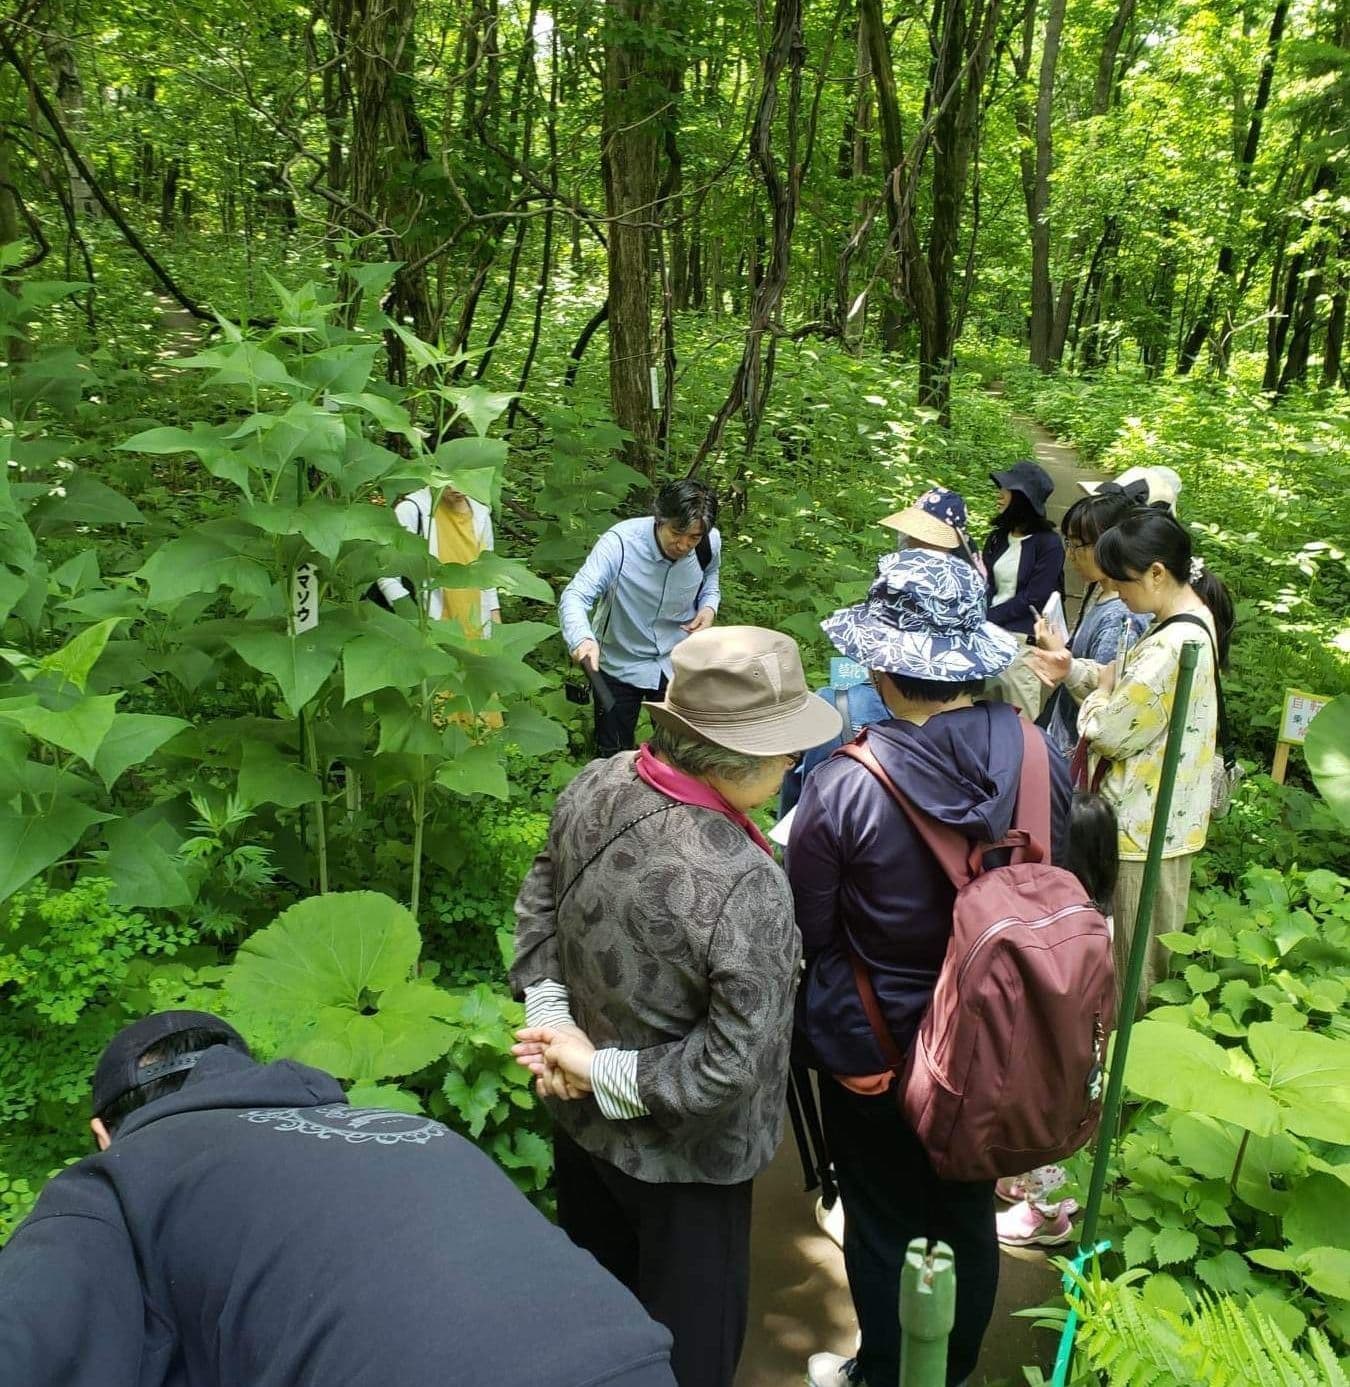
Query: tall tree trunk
68,89
1156,335
631,139
961,38
1103,92
1037,159
1219,295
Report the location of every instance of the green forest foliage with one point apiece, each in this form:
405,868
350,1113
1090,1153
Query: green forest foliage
255,287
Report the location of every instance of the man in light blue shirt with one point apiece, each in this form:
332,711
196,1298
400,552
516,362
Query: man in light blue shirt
656,578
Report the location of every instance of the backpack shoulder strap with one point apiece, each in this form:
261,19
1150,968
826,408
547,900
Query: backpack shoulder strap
1032,814
951,848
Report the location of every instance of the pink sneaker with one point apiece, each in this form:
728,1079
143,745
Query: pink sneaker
1027,1224
1035,1184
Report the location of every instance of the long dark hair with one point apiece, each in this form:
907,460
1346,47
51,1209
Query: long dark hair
1147,536
1094,847
1020,514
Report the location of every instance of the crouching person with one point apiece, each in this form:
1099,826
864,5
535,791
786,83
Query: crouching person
869,890
656,926
242,1226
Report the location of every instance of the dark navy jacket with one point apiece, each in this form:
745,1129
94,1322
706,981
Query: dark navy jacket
252,1230
857,867
1040,571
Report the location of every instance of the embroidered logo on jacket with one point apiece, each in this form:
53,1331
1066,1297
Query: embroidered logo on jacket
380,1125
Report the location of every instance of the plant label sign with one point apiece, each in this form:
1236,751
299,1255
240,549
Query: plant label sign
304,599
844,674
1299,710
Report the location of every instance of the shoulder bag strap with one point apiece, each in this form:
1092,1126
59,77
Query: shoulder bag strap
632,823
1225,742
952,849
1032,814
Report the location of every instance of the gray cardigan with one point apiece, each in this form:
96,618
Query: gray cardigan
677,941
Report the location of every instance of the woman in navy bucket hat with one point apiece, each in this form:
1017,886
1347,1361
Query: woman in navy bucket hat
864,882
1024,559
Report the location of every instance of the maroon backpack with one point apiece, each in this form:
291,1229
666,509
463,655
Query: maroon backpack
1006,1072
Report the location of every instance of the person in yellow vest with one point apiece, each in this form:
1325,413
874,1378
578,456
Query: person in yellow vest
457,530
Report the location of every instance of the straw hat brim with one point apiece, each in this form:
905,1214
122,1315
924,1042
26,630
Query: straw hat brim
805,723
918,524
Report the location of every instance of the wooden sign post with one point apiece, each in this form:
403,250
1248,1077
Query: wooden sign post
1299,710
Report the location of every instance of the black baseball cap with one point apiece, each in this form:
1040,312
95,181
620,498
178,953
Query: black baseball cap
120,1069
1031,479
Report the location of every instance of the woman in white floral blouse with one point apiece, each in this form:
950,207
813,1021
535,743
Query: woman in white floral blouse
1124,719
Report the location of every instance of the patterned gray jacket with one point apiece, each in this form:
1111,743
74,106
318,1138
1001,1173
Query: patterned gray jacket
677,941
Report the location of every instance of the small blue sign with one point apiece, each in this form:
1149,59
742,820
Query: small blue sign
844,674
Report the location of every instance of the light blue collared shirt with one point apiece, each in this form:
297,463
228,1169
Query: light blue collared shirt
649,599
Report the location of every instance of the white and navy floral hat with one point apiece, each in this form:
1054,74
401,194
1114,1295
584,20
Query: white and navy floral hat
924,618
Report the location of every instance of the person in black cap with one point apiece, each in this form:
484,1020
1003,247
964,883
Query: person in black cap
243,1225
1024,560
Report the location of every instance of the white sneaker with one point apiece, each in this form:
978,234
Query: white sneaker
831,1221
832,1370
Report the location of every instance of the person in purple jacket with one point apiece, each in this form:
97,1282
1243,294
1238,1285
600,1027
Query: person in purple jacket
862,880
1024,559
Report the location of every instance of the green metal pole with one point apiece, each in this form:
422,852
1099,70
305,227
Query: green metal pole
1139,943
927,1313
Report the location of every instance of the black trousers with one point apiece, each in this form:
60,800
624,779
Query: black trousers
891,1195
683,1250
614,730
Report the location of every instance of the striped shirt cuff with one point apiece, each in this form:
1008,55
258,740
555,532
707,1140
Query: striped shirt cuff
547,1003
614,1084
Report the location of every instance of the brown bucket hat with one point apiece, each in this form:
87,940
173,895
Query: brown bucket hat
742,687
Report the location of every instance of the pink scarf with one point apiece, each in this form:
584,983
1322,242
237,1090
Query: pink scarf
676,785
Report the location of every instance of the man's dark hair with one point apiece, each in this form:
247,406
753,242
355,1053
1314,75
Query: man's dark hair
171,1047
933,690
685,504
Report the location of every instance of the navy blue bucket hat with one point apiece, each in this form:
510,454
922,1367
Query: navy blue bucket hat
1030,478
924,618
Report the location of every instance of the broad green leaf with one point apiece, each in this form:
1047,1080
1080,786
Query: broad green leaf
79,729
387,414
268,777
197,563
1318,1214
1173,1245
31,840
131,739
78,656
475,771
87,501
1310,1076
473,1102
1328,751
1138,1247
532,733
172,440
146,875
492,571
382,659
477,404
299,664
241,363
333,972
369,1095
1225,1272
1327,1269
1188,1071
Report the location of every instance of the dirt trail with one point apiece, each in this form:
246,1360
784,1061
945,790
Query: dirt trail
799,1301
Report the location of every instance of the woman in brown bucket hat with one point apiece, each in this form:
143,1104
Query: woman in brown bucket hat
657,955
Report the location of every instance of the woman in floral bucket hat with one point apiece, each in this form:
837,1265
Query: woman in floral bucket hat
862,880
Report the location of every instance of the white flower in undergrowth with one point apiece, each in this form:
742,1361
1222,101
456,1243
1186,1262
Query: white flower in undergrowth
57,491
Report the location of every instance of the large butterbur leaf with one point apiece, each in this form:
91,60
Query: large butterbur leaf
1309,1076
334,974
1328,752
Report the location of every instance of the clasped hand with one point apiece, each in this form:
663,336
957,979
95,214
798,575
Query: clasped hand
559,1057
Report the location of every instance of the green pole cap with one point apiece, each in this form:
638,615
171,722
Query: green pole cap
928,1291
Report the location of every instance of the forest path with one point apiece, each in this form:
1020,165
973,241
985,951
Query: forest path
799,1301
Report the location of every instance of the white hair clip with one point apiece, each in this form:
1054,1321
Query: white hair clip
1197,567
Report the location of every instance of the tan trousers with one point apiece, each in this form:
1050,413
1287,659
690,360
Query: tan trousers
1169,914
1019,686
